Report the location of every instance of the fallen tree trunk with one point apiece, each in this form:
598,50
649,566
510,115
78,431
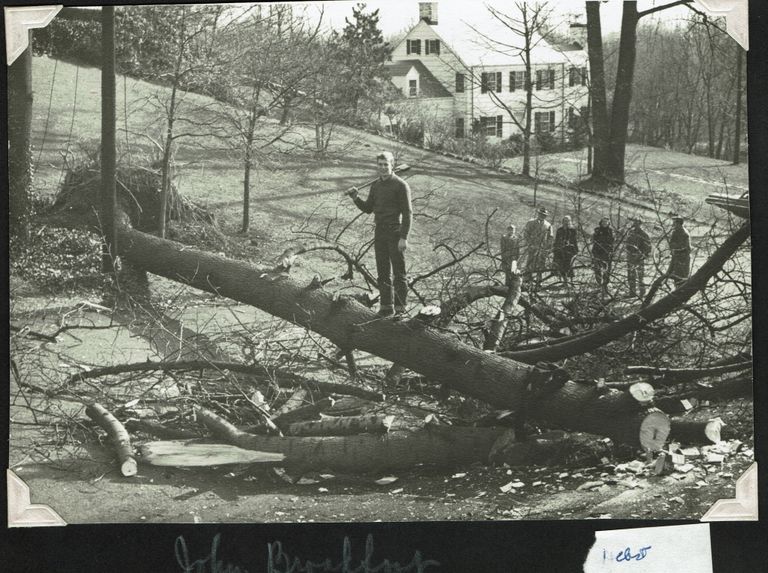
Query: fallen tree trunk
435,445
585,343
121,441
342,426
499,381
302,413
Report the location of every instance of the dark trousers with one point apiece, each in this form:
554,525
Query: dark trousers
390,261
636,276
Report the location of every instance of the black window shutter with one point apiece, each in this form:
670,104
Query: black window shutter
551,121
571,77
538,79
583,76
437,47
418,46
552,79
459,82
408,47
426,47
483,82
498,81
499,123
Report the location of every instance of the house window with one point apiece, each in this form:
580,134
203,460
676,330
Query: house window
490,82
544,121
577,77
491,126
459,127
413,47
431,47
413,88
516,81
545,79
459,83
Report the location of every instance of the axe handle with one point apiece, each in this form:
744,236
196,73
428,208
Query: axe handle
398,169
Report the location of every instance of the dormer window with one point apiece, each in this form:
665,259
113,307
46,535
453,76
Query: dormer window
432,47
413,88
413,47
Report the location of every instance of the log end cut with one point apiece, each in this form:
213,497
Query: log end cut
654,430
129,467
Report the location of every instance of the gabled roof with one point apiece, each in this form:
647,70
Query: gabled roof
479,38
429,84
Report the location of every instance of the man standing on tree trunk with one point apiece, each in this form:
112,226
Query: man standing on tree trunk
390,202
680,246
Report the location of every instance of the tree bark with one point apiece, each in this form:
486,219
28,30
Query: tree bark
117,434
739,88
19,146
342,426
597,90
622,95
696,432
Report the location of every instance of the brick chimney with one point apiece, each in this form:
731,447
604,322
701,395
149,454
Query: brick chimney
428,12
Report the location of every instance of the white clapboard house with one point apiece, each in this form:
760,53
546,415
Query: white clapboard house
461,68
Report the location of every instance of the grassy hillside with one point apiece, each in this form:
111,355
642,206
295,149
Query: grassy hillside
296,192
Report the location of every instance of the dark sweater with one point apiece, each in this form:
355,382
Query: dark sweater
388,200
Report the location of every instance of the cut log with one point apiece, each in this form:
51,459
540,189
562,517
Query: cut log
193,453
159,430
342,426
303,413
606,412
445,446
696,432
500,382
121,441
642,392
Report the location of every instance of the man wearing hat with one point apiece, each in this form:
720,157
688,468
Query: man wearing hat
680,247
638,247
537,239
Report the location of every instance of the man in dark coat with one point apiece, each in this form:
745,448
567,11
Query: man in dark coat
390,202
602,252
680,247
537,242
510,253
565,249
638,247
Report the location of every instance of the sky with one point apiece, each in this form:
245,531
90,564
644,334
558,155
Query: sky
397,16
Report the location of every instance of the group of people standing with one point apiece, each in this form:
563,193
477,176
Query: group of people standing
389,199
538,240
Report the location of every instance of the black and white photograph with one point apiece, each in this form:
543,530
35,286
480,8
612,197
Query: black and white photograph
384,261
